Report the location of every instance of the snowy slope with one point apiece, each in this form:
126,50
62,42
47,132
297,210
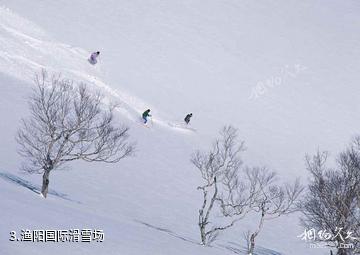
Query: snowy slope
176,57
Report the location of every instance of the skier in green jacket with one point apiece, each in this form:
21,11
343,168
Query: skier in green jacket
145,115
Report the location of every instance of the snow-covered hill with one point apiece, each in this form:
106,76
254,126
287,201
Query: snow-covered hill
284,72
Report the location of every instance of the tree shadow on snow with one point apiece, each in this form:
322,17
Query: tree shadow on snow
230,246
34,188
238,249
168,231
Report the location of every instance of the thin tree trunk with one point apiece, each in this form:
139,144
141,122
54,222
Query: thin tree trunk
45,183
203,234
254,235
252,244
342,251
202,224
204,219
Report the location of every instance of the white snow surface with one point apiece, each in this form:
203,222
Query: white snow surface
176,57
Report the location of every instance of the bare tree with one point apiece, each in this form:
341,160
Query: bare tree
235,190
332,202
68,123
272,201
221,163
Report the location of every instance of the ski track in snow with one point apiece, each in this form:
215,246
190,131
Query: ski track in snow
30,50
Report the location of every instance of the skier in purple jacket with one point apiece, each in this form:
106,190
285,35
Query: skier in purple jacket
93,57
